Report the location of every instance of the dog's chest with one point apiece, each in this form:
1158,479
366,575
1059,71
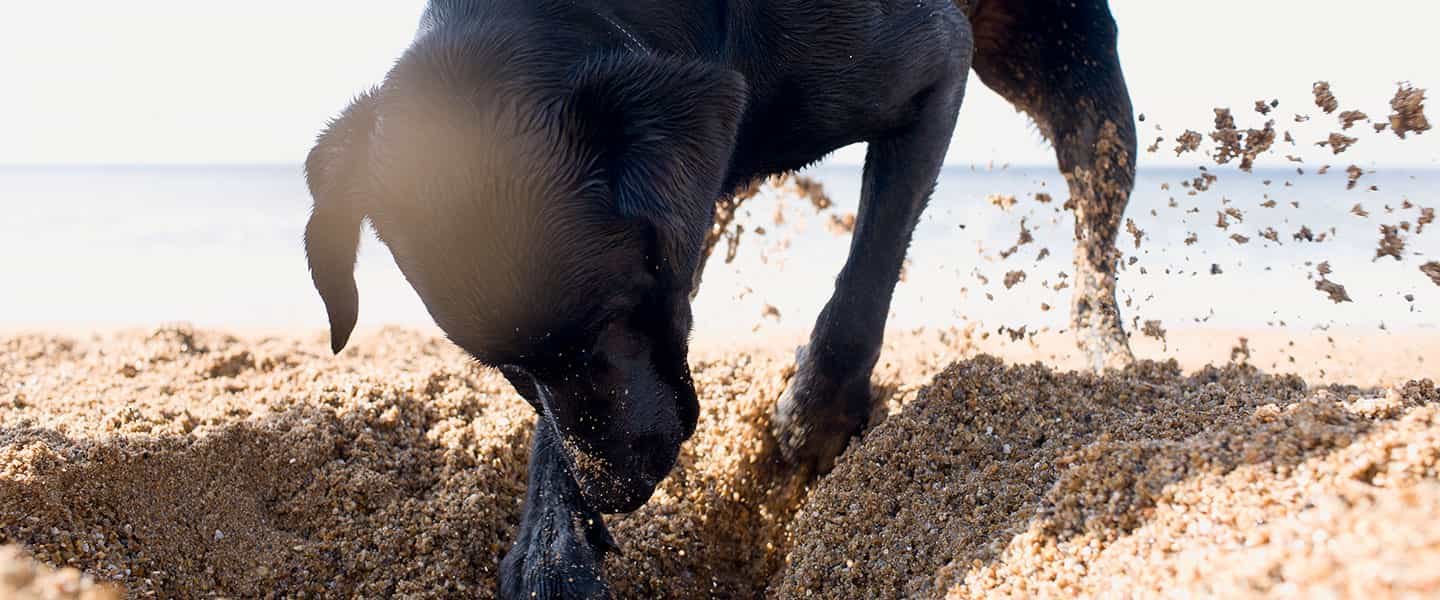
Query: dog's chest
799,123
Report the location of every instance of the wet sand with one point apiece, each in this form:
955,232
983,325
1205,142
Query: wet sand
180,463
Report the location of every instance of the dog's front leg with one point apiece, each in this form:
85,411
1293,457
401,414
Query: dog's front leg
828,400
562,541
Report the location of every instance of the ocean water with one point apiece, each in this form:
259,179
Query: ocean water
220,246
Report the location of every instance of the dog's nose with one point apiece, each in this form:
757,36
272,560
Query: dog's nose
649,445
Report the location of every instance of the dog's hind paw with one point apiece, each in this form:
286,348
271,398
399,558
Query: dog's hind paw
1104,348
558,556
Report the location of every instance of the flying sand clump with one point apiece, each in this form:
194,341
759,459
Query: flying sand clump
1338,142
1409,115
1324,98
1391,244
1432,270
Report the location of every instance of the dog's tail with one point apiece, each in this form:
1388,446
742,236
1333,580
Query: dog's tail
333,171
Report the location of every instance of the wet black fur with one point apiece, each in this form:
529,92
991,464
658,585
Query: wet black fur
545,171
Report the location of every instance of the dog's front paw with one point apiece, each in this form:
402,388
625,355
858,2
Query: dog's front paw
557,555
818,414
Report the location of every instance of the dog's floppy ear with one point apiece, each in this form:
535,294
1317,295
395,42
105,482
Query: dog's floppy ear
335,172
666,130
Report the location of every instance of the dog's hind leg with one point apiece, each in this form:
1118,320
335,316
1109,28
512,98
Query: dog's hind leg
562,542
828,399
1056,60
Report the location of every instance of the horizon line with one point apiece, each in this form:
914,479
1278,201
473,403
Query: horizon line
986,165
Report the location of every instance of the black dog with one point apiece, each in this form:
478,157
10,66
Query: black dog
545,172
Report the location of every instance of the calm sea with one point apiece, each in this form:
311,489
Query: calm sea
219,246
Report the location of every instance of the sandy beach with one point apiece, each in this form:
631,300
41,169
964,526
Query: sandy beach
174,424
183,463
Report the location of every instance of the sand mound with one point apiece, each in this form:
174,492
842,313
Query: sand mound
185,464
1019,481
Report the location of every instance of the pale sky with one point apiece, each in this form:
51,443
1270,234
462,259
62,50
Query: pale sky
180,81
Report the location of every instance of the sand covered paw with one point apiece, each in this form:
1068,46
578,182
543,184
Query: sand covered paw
559,556
1105,348
817,415
1095,318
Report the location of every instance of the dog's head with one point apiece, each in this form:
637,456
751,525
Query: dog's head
550,216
